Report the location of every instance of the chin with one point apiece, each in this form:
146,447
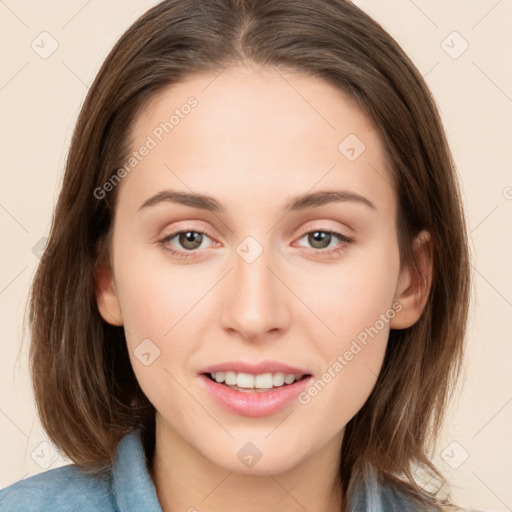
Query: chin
257,458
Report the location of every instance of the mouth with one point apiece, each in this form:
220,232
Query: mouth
252,395
249,383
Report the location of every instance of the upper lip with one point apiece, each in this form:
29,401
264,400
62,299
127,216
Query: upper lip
255,368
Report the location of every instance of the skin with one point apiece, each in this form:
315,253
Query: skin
252,143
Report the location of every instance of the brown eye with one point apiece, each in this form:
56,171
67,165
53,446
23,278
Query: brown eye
184,243
320,242
319,239
190,240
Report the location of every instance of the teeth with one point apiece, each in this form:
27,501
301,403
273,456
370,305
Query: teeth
289,379
249,381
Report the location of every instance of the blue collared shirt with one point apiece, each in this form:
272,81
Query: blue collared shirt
127,488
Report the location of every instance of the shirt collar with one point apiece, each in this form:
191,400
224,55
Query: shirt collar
133,488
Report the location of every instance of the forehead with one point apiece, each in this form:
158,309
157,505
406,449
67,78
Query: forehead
261,130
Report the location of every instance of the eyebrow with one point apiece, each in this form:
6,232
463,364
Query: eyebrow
296,203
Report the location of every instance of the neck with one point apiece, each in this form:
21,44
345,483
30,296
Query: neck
187,481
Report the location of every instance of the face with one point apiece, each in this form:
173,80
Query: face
315,286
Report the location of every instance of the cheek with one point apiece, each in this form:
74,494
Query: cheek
157,309
159,332
356,304
153,294
353,359
350,296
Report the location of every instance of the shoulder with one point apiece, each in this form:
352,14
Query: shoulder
59,489
394,499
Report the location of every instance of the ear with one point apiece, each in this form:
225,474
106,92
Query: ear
108,304
414,284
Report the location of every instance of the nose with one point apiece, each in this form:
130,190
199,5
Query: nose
255,301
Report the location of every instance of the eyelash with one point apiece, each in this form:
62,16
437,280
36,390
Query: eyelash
324,252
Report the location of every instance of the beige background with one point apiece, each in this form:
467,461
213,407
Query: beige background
39,102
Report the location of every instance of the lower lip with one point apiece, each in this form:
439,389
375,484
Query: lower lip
255,404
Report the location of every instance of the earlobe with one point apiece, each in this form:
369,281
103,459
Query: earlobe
106,295
414,284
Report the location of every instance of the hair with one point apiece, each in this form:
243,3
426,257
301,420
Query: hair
86,392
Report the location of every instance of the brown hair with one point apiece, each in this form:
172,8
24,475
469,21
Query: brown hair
86,392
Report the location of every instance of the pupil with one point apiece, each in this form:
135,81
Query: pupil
190,237
319,237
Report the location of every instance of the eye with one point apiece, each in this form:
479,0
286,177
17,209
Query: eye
321,239
189,241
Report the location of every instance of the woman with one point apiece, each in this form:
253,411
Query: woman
255,288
